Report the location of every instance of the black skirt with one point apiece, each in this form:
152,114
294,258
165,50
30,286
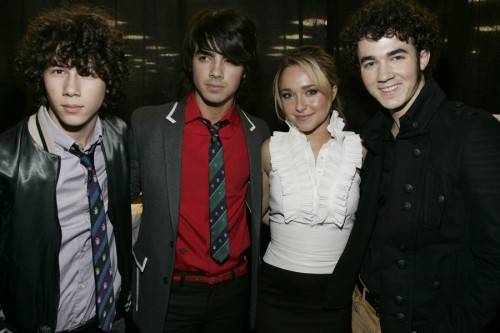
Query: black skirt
291,302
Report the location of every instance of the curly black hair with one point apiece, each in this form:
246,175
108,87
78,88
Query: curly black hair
387,18
74,36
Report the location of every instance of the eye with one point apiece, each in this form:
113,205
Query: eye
286,95
311,92
202,57
57,70
398,57
368,64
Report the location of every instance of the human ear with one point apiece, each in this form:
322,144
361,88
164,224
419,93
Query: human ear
425,57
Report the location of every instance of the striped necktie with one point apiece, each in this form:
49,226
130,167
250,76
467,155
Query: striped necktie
219,235
105,300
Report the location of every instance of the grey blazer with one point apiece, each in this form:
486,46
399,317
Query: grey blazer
156,134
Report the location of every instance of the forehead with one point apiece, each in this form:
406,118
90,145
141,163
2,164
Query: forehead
383,47
294,76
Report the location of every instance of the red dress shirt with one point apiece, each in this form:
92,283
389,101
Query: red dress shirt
193,237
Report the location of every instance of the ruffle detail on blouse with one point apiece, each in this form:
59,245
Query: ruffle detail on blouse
289,154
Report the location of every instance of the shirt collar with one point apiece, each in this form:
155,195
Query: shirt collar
63,140
193,112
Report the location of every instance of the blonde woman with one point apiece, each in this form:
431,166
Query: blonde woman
311,191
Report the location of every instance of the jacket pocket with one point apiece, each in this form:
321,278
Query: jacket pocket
435,198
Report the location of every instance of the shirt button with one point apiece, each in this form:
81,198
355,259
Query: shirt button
436,284
417,152
407,205
441,198
409,188
402,247
400,316
399,299
414,124
401,263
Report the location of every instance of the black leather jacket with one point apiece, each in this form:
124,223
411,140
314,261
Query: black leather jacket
30,234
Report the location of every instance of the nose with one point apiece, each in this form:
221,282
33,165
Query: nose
300,105
217,69
72,83
384,72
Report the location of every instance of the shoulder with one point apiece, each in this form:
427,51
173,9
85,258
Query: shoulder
153,113
465,112
10,138
11,142
114,124
259,124
470,120
266,156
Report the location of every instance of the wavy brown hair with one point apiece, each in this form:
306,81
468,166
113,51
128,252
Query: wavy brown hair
74,36
387,18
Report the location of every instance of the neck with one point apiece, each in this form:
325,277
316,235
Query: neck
213,112
81,134
318,137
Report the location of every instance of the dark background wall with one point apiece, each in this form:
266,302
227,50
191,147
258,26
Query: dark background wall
468,70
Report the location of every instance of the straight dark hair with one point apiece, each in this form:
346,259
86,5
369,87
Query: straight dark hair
225,31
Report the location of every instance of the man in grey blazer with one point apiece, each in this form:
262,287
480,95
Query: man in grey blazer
197,164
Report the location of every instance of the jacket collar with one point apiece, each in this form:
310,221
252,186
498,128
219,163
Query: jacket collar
176,113
413,123
417,119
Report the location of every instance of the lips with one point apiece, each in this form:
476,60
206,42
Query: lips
303,117
214,87
72,107
389,89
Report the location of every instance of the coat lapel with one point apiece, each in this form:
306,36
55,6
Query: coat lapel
172,143
253,157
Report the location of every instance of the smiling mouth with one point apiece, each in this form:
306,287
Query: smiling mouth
303,117
389,89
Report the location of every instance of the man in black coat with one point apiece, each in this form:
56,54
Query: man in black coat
430,182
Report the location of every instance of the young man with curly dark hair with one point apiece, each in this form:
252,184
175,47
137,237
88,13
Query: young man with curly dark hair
197,164
65,227
430,182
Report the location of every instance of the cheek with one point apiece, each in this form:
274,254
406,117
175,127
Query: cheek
288,107
367,77
235,75
97,92
320,102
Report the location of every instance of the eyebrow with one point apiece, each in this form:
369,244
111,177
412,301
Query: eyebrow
389,54
396,51
309,86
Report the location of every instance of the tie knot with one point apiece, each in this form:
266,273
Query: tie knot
214,128
86,157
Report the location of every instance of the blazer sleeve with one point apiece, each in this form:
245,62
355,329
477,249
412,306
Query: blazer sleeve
481,180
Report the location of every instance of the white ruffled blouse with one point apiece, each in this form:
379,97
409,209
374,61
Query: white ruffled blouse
312,203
